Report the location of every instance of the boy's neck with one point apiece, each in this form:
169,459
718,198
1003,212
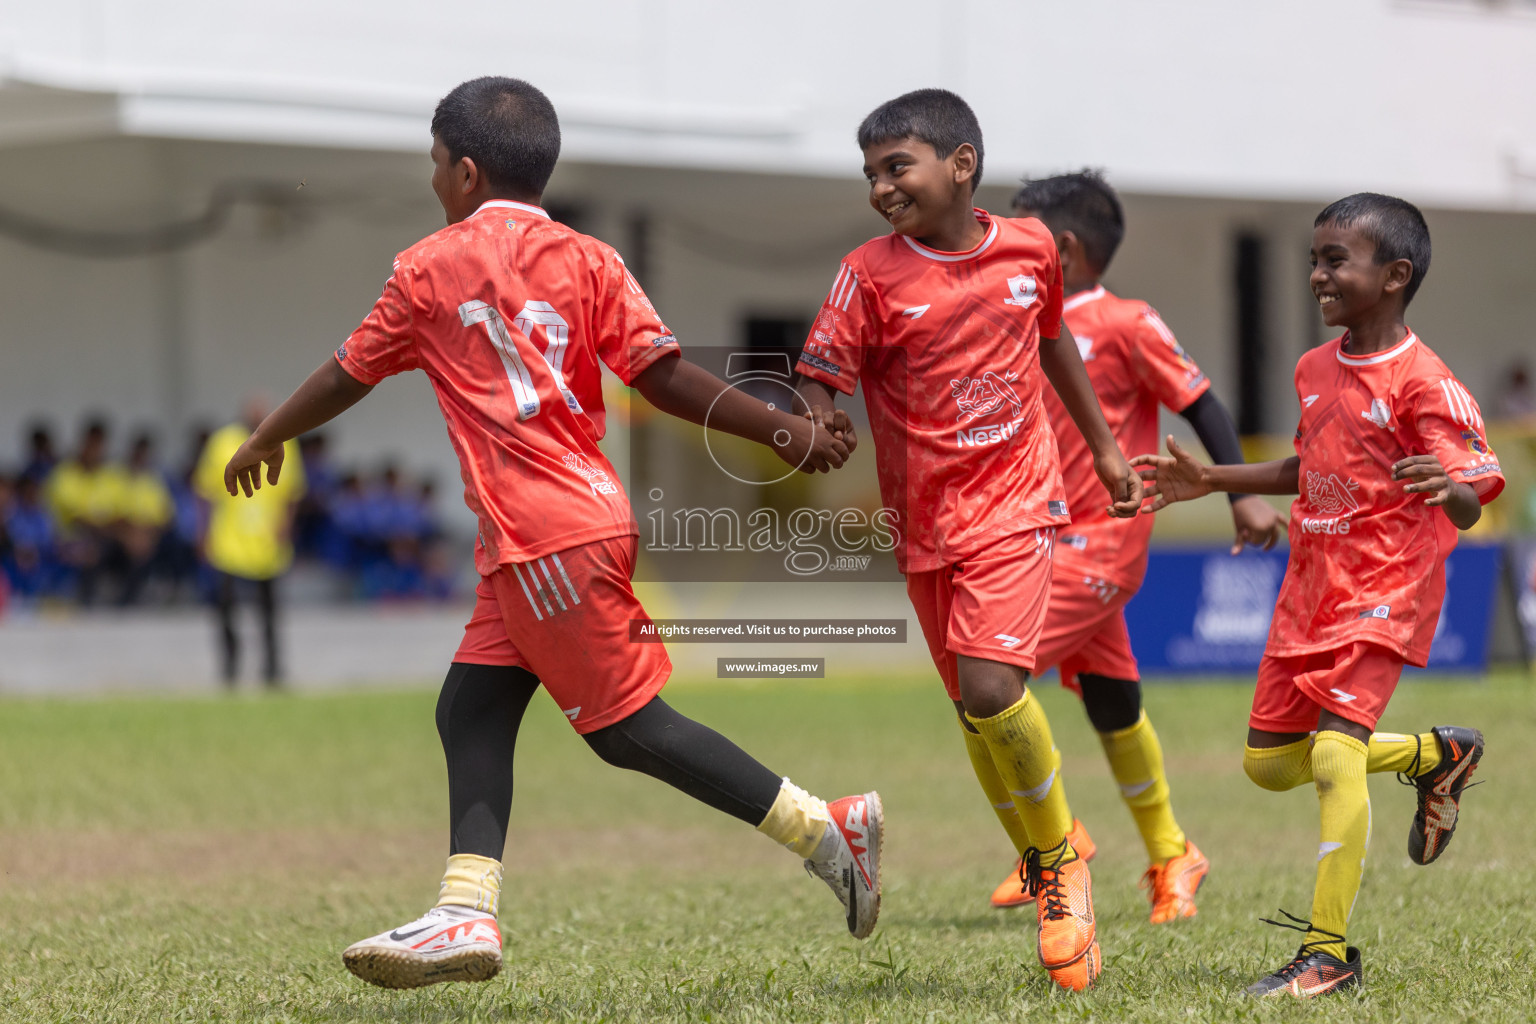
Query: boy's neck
1075,285
1372,334
957,231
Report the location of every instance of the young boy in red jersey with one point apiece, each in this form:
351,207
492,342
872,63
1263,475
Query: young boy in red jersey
511,315
1391,460
947,321
1136,365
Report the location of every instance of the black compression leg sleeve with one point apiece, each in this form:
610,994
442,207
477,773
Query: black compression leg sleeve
661,743
478,714
1112,704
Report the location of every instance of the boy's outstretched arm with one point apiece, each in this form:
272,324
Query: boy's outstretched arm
1179,476
1063,366
690,392
327,393
1253,520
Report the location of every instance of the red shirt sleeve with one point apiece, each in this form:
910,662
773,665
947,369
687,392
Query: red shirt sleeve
1450,427
1162,366
834,351
630,334
1050,314
384,344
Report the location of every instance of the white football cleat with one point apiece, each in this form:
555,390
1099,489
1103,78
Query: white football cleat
848,858
444,944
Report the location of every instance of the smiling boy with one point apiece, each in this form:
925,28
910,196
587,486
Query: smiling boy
1391,460
947,321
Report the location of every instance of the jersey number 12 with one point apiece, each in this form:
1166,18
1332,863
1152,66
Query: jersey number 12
534,315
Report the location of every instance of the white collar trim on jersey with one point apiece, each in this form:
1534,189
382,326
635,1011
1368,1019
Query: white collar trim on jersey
1083,298
1379,357
952,257
510,204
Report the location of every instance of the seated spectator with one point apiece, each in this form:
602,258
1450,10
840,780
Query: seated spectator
41,457
85,495
30,561
145,517
312,525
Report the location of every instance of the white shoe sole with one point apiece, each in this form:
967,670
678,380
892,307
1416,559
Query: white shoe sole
404,968
876,851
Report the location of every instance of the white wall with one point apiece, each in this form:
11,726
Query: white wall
1435,99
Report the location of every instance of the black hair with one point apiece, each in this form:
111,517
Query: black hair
1082,203
935,116
507,127
1395,226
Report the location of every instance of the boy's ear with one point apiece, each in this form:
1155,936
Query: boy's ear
466,175
964,158
1399,273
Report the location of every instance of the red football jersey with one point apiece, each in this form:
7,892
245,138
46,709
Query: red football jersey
1367,560
947,347
508,313
1135,365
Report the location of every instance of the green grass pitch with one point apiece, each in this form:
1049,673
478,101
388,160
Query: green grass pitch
207,860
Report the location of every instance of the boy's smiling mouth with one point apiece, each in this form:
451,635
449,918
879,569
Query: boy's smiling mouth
896,209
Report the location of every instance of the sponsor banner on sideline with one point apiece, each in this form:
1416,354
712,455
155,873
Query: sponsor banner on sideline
1205,611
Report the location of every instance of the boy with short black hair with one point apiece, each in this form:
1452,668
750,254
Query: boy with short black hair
1383,421
511,316
947,322
1136,366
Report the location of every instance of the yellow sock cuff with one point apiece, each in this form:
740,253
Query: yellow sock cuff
1279,768
797,820
471,881
1338,752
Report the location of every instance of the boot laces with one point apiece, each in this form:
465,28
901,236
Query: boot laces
1306,927
1044,883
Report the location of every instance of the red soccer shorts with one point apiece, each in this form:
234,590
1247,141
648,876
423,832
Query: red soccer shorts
990,605
1354,682
565,618
1085,630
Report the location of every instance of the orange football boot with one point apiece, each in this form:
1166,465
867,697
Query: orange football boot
1172,886
1063,905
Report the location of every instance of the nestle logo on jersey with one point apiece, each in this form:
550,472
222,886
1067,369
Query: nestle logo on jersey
595,477
981,436
1331,526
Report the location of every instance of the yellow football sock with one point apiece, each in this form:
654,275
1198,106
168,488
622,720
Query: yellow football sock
471,881
797,820
1344,809
1282,768
1136,760
1279,768
1396,752
1030,766
997,791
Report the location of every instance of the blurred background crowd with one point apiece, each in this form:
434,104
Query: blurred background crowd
99,516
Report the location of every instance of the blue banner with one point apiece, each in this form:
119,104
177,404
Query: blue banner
1205,611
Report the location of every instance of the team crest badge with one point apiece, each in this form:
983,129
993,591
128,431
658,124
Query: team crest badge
1023,289
1474,443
